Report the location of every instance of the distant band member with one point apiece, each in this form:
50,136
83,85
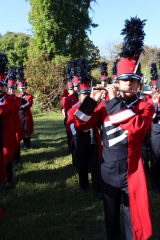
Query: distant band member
25,113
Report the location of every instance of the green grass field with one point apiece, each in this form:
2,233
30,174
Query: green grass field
46,203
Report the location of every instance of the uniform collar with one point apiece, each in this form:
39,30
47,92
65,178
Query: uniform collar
130,101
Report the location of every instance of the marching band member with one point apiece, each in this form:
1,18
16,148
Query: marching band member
86,143
155,130
66,104
17,102
7,136
125,119
25,113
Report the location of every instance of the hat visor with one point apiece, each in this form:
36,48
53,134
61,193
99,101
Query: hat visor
70,88
129,76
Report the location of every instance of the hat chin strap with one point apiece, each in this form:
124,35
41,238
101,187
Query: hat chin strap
135,70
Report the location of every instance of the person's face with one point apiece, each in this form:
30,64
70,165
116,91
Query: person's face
129,85
70,91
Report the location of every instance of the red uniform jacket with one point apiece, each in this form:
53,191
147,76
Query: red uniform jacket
71,119
65,93
28,114
6,112
146,96
68,102
19,134
133,123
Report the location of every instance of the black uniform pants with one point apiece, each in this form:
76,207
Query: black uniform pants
155,156
86,157
114,186
26,139
112,199
146,151
71,146
69,141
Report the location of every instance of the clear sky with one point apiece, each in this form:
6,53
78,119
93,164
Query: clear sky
110,15
14,16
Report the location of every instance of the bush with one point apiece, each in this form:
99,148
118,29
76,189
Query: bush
46,80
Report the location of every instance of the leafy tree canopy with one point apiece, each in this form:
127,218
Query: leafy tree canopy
15,46
60,27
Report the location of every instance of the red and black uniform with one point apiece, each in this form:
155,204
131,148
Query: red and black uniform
4,163
3,175
87,146
7,136
65,93
19,134
66,104
146,143
124,126
155,129
17,102
155,146
26,117
18,128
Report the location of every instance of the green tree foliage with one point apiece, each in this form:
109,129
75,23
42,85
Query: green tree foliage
60,27
46,80
60,33
92,53
149,57
15,45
